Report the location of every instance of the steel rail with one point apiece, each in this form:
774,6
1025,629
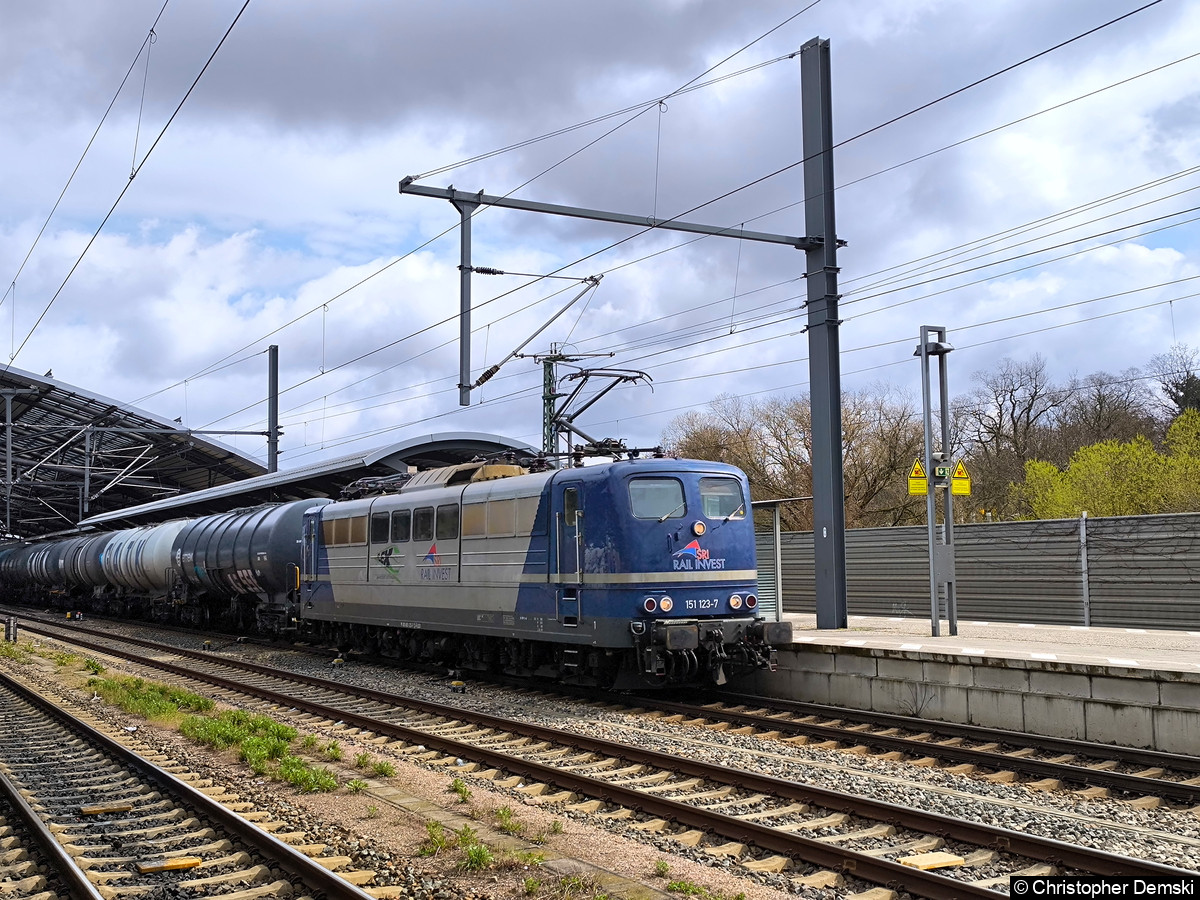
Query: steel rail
311,873
1132,755
1134,784
75,878
820,853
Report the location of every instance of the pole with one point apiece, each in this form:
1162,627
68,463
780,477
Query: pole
549,398
8,526
86,498
273,408
930,497
778,535
465,209
941,552
951,578
1083,569
829,512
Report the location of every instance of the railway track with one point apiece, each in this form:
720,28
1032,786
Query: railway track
764,823
1096,771
997,756
32,864
103,822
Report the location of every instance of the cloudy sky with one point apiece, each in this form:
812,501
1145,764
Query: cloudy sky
1053,209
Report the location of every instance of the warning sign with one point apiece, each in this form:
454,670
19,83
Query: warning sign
917,482
960,481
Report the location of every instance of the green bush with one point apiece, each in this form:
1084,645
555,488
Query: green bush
436,840
476,857
309,779
15,652
506,821
216,733
148,699
258,751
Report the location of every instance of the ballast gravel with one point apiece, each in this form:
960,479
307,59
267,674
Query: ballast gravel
1165,835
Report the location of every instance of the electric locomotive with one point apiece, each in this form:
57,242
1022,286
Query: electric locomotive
634,573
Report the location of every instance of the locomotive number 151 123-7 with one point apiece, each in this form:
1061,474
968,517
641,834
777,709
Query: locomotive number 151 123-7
701,604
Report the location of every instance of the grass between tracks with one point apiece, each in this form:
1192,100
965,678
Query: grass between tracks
262,743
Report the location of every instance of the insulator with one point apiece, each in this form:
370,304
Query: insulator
486,375
486,270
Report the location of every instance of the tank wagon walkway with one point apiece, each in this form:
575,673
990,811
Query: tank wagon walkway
1137,687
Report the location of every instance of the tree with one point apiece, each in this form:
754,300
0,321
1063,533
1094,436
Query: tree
1175,371
768,440
1114,478
1103,407
771,441
882,434
1006,421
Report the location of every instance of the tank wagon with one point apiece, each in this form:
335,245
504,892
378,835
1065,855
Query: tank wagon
637,573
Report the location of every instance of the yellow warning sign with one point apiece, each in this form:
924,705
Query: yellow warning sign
960,481
917,482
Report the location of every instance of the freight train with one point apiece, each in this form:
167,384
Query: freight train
632,574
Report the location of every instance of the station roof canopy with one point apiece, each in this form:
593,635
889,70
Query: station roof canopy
322,479
75,454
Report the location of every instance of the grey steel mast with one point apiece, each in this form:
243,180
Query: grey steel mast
824,366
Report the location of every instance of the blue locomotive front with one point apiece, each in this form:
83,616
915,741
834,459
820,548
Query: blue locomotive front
631,574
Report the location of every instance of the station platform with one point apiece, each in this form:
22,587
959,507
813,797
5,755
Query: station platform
1132,687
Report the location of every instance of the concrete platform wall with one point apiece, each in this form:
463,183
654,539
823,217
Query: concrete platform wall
1131,707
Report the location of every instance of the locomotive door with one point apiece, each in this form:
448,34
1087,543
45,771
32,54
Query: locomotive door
570,552
309,556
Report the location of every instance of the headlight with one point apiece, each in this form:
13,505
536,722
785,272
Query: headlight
698,528
735,602
666,604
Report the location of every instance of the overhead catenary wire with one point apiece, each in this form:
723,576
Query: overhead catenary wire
1009,68
676,92
86,149
128,184
528,392
894,119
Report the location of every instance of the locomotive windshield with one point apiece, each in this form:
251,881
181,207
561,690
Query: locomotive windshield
722,498
656,498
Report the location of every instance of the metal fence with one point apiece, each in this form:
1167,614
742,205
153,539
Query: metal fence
1128,572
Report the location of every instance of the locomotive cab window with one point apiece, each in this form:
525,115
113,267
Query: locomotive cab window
380,529
722,498
570,506
657,498
447,522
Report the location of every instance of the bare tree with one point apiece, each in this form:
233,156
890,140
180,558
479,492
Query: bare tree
1104,407
772,442
1008,419
882,434
1175,372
